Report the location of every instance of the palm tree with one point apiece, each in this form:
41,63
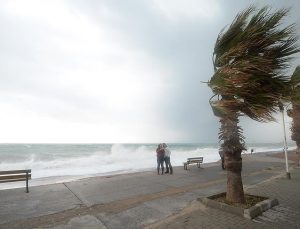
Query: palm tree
249,59
294,113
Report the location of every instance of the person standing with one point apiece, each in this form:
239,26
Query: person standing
160,154
221,153
167,159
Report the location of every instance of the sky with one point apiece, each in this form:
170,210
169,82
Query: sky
116,71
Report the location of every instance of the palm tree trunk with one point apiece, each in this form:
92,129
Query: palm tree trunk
298,153
233,144
235,191
296,128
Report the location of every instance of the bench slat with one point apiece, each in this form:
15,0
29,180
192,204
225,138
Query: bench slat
15,171
195,158
195,161
12,180
11,177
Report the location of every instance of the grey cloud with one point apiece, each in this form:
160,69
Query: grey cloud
186,47
183,46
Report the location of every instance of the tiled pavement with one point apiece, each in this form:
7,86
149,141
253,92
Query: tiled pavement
284,215
145,199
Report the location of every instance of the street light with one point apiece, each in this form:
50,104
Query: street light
288,175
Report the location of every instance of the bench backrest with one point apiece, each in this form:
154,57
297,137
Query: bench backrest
199,159
15,175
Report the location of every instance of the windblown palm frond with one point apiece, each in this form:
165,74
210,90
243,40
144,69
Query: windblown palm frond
250,59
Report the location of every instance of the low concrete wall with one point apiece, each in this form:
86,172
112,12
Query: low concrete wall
249,213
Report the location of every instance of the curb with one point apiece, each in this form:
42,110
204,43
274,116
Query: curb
248,213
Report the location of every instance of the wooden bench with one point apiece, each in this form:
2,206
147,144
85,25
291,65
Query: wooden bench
16,175
193,160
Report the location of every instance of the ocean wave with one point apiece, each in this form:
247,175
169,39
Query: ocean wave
62,160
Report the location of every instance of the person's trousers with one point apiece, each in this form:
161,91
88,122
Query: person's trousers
160,163
168,165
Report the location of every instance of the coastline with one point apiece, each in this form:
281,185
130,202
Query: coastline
125,200
70,178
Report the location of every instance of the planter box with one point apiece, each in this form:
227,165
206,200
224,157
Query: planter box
248,213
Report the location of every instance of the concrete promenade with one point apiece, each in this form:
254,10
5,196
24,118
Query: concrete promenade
154,201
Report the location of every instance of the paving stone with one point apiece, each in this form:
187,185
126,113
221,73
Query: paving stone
86,222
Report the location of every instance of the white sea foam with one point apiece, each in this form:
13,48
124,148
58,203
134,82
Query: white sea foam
48,167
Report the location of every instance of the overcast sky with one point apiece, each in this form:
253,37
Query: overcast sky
107,71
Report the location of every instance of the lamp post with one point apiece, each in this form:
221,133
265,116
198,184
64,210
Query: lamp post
288,175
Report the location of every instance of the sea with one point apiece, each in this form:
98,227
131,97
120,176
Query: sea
55,163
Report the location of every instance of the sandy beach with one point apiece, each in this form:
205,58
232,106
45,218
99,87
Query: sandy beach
128,200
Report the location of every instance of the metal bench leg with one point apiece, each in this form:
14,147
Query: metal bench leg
27,190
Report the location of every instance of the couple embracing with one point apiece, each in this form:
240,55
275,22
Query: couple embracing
163,155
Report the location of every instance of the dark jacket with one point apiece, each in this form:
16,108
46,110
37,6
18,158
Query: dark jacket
160,152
